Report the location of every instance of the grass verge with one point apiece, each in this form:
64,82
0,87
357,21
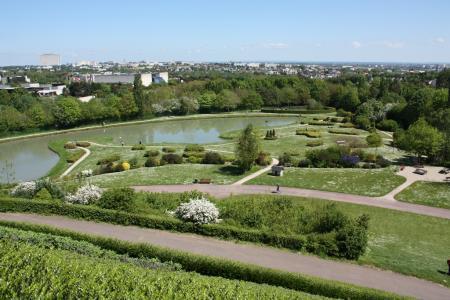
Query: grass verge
435,194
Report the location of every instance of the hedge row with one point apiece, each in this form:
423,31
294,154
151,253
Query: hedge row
30,272
297,111
295,242
220,267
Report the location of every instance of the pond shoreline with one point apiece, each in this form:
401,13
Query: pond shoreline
136,122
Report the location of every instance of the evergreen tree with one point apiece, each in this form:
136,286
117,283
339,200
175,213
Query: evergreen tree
138,92
247,148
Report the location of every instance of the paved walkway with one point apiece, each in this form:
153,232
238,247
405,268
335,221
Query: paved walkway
223,191
252,254
87,152
258,173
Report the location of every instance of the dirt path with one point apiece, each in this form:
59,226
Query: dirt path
87,152
253,254
223,191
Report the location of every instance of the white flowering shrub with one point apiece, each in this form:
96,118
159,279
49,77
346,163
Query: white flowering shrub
85,195
198,211
25,189
86,173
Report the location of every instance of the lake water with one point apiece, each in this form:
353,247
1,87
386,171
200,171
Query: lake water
31,158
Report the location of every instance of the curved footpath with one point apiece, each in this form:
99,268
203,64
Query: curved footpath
223,191
87,152
250,253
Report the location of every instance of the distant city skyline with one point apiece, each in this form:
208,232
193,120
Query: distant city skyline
199,30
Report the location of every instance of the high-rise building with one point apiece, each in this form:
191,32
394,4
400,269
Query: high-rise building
49,59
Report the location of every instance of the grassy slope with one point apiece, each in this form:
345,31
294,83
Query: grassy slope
402,242
427,193
352,181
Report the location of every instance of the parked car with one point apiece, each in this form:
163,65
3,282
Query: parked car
420,171
445,171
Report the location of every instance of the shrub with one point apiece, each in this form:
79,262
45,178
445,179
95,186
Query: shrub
194,148
326,158
55,190
349,161
70,145
388,125
83,144
125,166
151,153
197,211
383,162
285,159
152,162
351,239
321,123
213,158
86,173
342,113
138,147
134,162
109,159
304,163
194,160
43,194
25,189
308,133
171,158
314,143
85,195
263,159
168,149
194,154
121,199
362,122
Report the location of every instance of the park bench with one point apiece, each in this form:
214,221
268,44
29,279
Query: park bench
204,181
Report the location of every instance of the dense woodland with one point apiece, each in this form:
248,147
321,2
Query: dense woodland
408,105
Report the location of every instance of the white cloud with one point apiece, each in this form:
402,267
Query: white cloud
276,45
356,44
439,40
393,45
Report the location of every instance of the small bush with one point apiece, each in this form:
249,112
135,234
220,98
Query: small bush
168,150
194,160
194,154
74,156
314,143
171,158
342,113
83,144
308,133
107,160
347,132
263,159
134,162
197,211
388,125
121,199
347,125
321,123
138,147
43,194
25,189
194,148
70,145
151,153
213,158
304,163
152,162
85,195
285,159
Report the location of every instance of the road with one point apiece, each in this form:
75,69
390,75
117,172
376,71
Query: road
250,253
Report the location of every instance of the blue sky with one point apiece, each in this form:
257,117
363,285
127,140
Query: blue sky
213,30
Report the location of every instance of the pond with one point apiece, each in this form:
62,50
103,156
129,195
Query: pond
31,159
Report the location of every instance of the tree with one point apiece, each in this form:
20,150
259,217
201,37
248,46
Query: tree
188,105
247,148
422,139
67,111
227,100
138,93
206,101
252,101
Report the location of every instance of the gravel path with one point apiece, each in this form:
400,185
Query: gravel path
252,254
87,152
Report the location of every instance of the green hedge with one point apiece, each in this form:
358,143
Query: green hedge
30,272
220,267
295,242
297,111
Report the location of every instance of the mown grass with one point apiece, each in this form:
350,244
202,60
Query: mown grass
435,194
402,242
62,164
351,181
171,174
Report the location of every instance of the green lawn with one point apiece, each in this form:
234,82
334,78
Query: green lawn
170,174
402,242
351,181
427,193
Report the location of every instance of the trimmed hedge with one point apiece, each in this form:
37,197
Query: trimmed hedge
308,133
83,144
297,111
138,147
342,131
220,267
314,143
